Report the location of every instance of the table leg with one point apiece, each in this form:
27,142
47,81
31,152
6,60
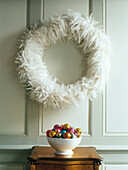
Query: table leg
96,167
33,167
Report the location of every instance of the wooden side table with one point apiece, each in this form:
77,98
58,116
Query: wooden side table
84,158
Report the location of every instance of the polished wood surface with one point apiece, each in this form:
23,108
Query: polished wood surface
40,152
84,158
65,167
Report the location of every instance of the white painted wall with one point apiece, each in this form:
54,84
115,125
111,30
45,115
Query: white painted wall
103,121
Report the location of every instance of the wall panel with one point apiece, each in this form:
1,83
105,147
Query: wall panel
11,167
75,116
103,125
12,95
59,6
115,167
64,62
116,110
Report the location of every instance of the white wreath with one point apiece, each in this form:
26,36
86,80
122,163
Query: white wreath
72,27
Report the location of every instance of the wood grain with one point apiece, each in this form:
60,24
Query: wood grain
85,153
84,158
68,167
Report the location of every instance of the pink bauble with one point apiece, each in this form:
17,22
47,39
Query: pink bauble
58,130
48,131
71,130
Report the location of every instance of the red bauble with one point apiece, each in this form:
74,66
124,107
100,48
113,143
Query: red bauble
48,131
62,127
56,126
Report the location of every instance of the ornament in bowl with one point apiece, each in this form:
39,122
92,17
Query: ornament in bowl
64,138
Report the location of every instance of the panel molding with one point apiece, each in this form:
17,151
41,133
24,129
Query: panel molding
89,4
43,133
99,148
23,133
14,164
41,129
42,10
105,132
104,165
104,106
16,133
13,133
14,158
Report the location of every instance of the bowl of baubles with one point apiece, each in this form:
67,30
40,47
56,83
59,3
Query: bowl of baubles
64,138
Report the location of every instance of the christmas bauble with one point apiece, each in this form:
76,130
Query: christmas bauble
48,131
56,126
52,134
67,135
71,130
66,126
63,131
78,130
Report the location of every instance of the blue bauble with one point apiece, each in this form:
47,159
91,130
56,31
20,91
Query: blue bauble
63,131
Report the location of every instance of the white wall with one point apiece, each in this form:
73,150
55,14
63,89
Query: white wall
103,121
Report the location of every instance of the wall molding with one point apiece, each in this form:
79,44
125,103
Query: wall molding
101,148
17,133
23,133
41,129
104,165
105,132
42,10
14,157
24,165
43,133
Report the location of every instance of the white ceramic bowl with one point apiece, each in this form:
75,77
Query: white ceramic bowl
64,146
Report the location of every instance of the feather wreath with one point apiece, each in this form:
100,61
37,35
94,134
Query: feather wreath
33,72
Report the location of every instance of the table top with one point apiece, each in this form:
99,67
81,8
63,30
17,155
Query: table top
80,153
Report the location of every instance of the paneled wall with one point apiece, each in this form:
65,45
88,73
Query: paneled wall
23,123
12,100
115,167
117,91
64,62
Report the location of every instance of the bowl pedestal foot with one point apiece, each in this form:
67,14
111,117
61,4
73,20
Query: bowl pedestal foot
67,152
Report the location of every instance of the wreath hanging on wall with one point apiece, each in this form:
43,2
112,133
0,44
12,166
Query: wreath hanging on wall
72,27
